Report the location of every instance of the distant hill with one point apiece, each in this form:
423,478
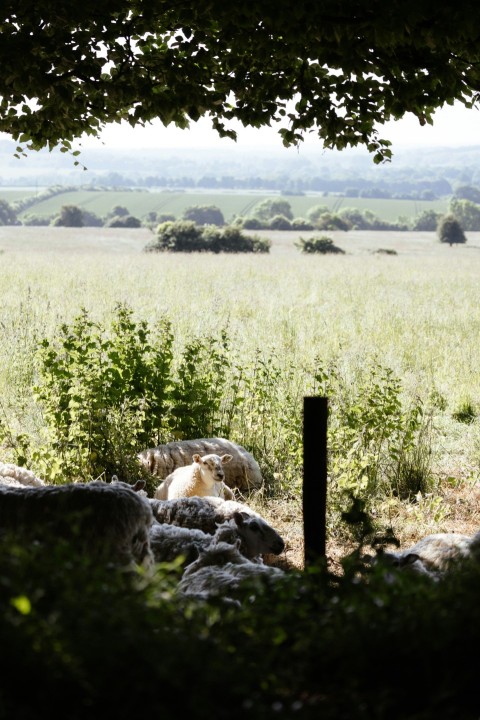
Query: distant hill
441,168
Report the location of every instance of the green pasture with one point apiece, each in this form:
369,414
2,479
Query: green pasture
141,202
289,319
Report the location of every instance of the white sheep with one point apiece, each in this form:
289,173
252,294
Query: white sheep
220,570
243,472
434,554
205,476
257,536
18,476
108,522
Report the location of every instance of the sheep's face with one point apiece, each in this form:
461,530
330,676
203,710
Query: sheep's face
213,464
259,536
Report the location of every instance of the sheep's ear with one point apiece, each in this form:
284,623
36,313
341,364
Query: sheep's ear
241,517
410,559
139,485
196,458
226,459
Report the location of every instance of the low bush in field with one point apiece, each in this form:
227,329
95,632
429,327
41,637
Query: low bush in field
87,641
187,236
318,244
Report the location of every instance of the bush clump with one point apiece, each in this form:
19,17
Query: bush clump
187,236
318,244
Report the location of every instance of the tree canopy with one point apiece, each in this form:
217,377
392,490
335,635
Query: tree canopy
340,70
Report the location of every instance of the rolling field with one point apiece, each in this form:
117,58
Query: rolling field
140,203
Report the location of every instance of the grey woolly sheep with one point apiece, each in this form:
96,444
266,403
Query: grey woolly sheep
206,513
434,554
243,472
220,570
205,476
17,476
110,523
170,541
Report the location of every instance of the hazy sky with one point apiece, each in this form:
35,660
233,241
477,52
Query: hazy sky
453,126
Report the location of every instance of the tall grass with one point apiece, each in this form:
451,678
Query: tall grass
295,326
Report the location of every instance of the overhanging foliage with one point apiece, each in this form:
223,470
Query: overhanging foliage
337,69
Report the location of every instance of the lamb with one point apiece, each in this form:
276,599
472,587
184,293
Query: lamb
111,523
17,476
220,570
435,554
205,513
243,472
205,476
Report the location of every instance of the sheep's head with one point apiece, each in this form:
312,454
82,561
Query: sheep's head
213,464
258,536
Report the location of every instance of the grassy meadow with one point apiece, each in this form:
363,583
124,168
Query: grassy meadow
291,319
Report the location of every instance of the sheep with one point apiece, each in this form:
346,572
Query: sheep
243,472
220,570
108,522
434,554
17,476
170,541
205,476
205,513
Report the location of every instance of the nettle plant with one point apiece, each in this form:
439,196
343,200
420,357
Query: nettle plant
107,392
379,445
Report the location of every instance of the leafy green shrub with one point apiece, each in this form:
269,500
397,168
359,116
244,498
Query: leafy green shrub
253,223
70,216
280,222
186,236
107,393
450,231
301,224
126,641
178,236
378,447
318,244
94,384
204,215
269,208
124,221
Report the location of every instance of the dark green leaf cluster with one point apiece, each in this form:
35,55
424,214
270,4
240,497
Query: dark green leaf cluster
8,216
370,643
318,244
187,236
108,392
338,71
450,231
204,215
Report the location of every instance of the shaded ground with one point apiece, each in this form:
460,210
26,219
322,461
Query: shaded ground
462,505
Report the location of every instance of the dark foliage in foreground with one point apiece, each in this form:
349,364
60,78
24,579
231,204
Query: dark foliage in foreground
80,641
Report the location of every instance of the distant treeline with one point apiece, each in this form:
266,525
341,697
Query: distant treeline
418,189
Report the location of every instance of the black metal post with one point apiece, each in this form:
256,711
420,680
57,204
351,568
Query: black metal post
315,417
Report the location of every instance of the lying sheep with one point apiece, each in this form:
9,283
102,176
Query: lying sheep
220,570
259,537
205,513
17,476
243,472
205,476
170,541
434,554
108,522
